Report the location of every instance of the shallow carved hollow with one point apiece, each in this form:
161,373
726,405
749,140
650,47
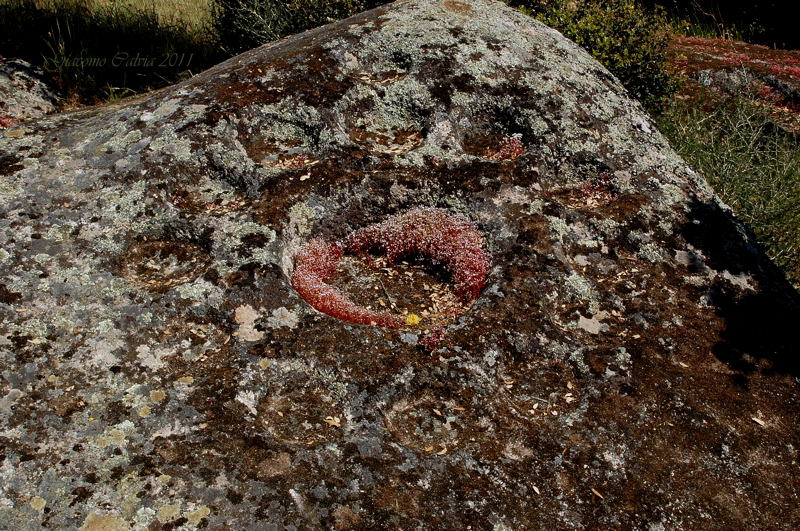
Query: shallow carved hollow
160,265
441,255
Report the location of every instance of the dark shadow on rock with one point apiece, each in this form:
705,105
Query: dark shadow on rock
757,326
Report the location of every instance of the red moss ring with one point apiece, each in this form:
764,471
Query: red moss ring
445,239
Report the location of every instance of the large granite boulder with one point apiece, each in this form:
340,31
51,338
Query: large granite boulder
629,360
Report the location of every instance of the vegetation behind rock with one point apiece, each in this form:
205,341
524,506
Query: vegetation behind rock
626,38
244,24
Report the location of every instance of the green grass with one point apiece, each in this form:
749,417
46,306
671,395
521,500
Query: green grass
191,14
704,29
752,164
96,50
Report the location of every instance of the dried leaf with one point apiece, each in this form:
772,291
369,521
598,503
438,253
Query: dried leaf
759,421
598,494
333,422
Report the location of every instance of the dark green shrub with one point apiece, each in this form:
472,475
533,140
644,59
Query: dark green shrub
626,38
245,24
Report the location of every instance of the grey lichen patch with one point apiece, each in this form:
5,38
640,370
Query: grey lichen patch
231,243
580,287
651,252
10,399
283,317
301,216
163,111
120,143
742,281
170,143
246,317
201,293
103,349
592,325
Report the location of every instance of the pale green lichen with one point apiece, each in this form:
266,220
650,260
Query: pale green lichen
200,292
119,143
289,120
335,385
116,435
580,287
171,144
558,227
283,317
228,238
651,252
42,258
209,190
10,188
535,206
301,215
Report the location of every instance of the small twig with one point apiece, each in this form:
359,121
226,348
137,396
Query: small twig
385,292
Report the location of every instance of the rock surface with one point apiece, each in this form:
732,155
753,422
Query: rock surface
24,94
631,362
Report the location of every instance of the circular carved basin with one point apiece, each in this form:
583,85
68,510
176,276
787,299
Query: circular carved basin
419,269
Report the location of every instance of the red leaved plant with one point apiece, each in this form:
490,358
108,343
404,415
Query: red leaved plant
445,239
